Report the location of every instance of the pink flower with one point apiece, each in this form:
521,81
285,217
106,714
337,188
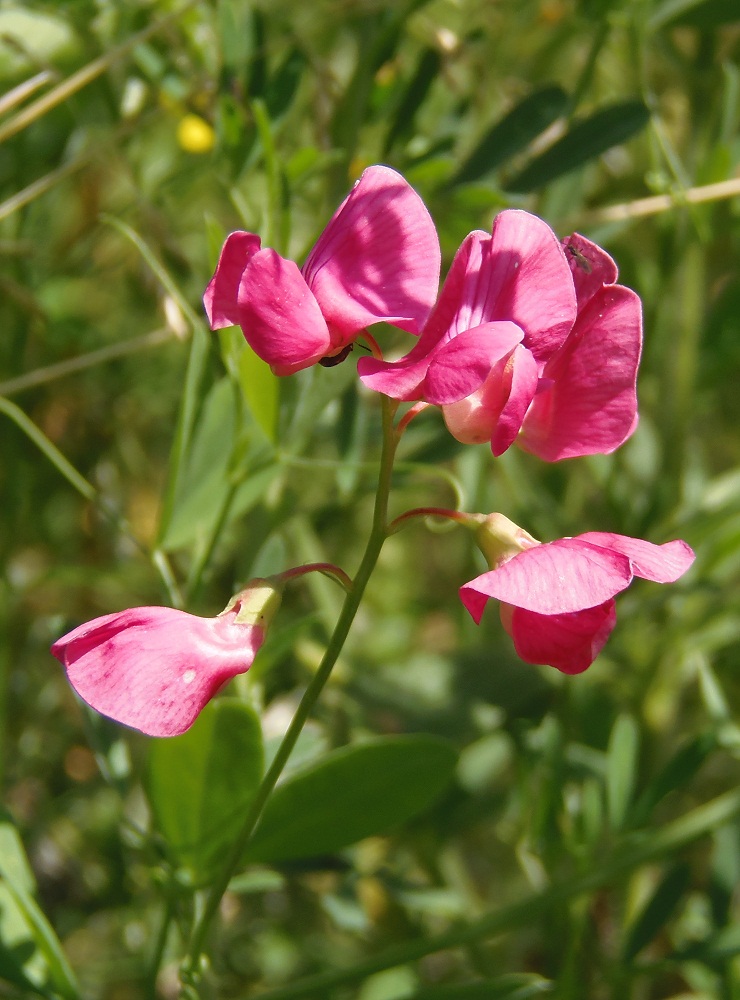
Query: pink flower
377,261
154,669
588,399
505,310
558,597
528,335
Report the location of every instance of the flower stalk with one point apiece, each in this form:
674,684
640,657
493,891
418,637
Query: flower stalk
191,971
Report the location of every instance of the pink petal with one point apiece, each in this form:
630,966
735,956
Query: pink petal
462,365
556,578
659,563
523,389
569,642
403,379
591,407
220,297
279,315
398,379
463,303
473,420
529,282
591,267
154,668
378,259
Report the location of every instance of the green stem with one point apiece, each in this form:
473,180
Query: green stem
378,534
650,845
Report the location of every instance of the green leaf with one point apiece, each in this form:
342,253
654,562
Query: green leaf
201,784
514,132
352,793
657,911
587,140
283,84
705,14
679,770
31,955
417,89
621,768
261,390
516,986
205,482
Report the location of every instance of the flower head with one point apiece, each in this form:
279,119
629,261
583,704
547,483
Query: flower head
558,597
506,308
528,335
377,261
154,669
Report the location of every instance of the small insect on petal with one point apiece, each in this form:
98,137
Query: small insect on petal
332,360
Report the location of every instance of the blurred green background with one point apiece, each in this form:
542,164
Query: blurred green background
134,135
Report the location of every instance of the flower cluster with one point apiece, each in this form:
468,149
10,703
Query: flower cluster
531,341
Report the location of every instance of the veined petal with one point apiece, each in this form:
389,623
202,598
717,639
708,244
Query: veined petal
462,365
221,295
403,379
378,259
591,267
569,642
397,379
591,406
555,578
279,315
529,282
659,563
523,388
463,302
155,668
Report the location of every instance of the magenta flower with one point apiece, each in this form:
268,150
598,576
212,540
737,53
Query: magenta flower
587,401
505,310
154,669
558,597
377,261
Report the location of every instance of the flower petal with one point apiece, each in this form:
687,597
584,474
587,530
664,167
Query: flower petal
529,282
521,393
591,267
569,642
378,259
591,405
402,379
155,668
221,296
555,578
462,365
279,315
659,563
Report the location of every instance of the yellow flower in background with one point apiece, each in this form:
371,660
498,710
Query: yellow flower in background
195,135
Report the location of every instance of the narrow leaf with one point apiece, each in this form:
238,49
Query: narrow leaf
417,89
514,132
679,770
31,955
587,140
621,768
657,910
261,390
516,986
